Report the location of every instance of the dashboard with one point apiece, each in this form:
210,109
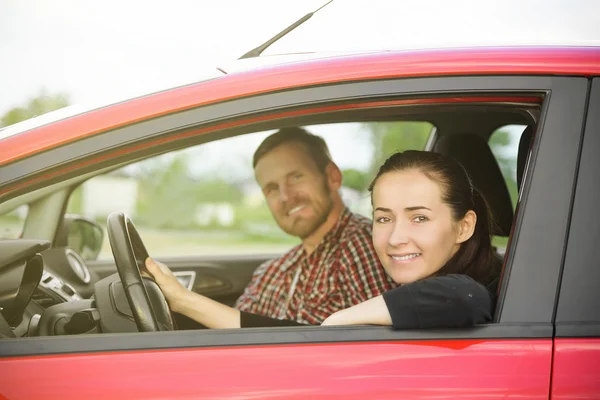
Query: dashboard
50,291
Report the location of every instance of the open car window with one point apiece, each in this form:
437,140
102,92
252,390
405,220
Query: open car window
205,199
504,143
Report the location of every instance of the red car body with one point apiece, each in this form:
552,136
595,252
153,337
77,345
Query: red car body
511,362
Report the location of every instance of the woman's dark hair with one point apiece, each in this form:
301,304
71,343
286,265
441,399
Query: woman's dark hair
476,256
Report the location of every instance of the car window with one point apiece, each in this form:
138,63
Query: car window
13,222
219,207
504,143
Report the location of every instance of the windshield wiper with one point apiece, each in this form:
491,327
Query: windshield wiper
258,50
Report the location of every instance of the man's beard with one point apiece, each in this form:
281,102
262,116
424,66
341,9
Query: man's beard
322,206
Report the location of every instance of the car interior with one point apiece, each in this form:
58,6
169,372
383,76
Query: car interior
53,283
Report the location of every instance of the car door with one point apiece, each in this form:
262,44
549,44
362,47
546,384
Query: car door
511,357
221,277
576,365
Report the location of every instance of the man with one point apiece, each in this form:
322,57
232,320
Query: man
335,266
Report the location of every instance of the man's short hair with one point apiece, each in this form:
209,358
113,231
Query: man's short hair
315,145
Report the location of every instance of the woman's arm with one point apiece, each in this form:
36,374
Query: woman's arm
373,311
451,301
448,301
208,312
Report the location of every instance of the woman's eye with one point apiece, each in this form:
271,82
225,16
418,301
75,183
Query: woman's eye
382,220
420,218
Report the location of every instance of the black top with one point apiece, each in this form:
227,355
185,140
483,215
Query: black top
450,301
249,320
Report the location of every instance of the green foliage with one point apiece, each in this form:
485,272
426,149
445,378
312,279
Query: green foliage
165,197
168,197
216,191
498,142
499,139
389,138
355,179
39,105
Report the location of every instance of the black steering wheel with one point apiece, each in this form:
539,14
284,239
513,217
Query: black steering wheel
147,302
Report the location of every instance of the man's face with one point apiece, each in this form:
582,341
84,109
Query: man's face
297,193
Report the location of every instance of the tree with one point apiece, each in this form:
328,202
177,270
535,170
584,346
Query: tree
389,138
166,196
169,196
355,179
216,191
39,105
500,142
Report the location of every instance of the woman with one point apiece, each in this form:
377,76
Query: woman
432,234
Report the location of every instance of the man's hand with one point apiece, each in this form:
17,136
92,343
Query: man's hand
197,307
169,285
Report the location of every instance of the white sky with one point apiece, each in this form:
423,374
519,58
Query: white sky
97,50
114,49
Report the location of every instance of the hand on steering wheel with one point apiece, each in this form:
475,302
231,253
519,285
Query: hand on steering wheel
147,302
169,285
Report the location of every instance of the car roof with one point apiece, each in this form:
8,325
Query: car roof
225,68
263,74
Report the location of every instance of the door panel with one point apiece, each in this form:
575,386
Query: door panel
491,369
222,278
576,372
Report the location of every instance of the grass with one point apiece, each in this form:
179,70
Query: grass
193,243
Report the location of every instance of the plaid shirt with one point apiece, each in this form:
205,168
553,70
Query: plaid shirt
342,271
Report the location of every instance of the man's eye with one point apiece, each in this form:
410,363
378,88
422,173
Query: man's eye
297,177
420,219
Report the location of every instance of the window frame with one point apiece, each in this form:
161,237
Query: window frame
105,257
577,314
528,256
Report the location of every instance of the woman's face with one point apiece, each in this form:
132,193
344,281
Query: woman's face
414,233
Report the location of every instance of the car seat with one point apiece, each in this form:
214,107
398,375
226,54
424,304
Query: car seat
474,153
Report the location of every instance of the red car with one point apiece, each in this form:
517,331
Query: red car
72,337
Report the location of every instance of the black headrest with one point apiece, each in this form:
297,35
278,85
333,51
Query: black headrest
475,155
524,144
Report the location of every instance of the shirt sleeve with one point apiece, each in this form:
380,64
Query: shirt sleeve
361,274
249,320
450,301
249,300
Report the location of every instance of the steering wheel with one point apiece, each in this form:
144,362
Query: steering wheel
147,302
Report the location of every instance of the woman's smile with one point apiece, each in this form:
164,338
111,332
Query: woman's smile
405,257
